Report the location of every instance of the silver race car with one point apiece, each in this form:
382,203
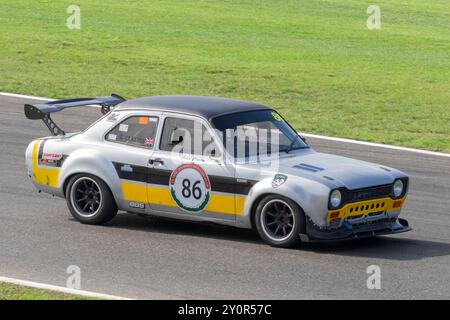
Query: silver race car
211,159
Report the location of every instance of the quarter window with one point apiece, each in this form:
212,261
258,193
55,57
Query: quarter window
137,131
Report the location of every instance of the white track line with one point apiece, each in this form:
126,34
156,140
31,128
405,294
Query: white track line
49,287
21,96
378,145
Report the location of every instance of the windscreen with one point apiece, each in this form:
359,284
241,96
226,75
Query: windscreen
256,133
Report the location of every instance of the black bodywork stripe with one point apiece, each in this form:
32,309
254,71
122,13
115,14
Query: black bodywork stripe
130,172
41,151
162,177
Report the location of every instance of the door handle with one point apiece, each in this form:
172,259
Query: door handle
158,162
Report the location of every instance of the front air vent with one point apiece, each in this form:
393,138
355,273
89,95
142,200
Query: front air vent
308,167
373,208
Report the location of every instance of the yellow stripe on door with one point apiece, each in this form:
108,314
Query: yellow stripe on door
134,192
161,196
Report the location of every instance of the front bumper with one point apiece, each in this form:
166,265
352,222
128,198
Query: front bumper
349,232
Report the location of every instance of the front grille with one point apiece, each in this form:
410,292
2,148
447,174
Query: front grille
368,193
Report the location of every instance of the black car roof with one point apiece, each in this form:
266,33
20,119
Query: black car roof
206,107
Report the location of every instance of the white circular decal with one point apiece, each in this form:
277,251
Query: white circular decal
190,187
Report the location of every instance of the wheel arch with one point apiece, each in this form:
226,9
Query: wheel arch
311,196
69,177
66,182
259,198
90,162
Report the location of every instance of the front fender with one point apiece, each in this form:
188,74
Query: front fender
311,196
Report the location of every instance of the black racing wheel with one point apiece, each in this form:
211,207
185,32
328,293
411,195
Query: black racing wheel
279,221
90,200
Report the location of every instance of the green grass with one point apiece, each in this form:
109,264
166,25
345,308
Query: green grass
315,61
15,292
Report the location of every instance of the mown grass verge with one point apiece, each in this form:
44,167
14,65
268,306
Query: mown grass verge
315,61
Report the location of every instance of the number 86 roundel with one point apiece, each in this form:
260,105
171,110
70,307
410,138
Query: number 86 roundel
190,187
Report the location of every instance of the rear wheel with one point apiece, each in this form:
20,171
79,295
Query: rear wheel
89,199
279,221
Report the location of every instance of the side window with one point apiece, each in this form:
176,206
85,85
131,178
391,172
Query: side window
186,136
137,131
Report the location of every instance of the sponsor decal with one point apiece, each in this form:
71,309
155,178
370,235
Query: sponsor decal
123,127
276,116
137,205
113,117
126,168
190,187
143,121
278,180
149,142
52,156
50,159
53,163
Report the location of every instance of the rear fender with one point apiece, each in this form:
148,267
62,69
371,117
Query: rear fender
92,162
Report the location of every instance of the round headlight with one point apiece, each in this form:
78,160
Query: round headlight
335,198
398,188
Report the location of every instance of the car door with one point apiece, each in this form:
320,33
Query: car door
188,176
131,142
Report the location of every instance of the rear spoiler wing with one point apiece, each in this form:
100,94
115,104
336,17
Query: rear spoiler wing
42,111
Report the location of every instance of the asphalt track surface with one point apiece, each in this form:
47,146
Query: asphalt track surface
139,257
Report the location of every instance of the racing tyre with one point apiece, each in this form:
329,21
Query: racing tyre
90,200
279,221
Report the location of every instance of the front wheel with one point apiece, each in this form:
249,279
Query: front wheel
89,199
279,221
